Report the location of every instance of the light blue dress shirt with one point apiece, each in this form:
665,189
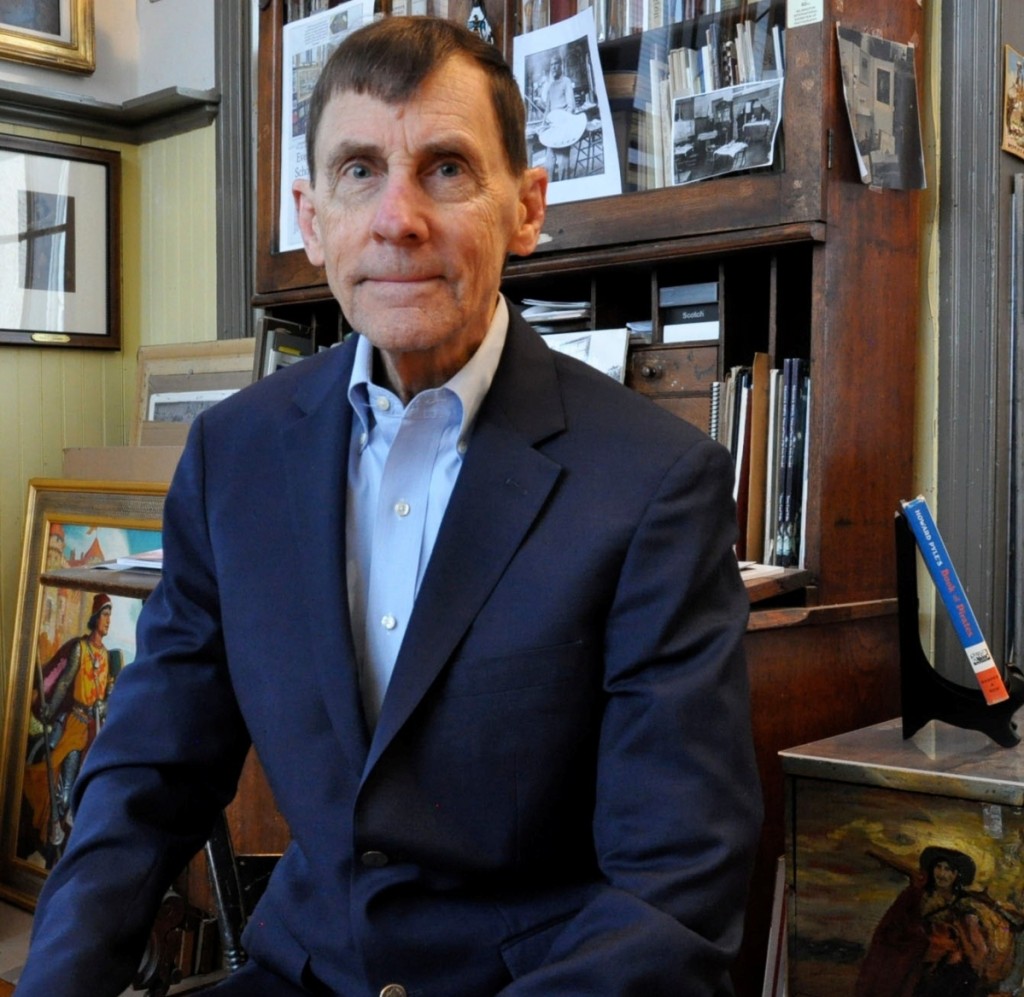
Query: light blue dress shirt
403,462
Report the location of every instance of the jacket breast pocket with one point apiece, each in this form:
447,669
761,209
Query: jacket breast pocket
530,672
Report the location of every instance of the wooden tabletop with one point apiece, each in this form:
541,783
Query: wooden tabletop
137,583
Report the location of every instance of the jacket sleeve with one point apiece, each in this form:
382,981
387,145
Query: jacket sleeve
678,806
166,761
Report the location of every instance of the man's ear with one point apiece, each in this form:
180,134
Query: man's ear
309,225
533,190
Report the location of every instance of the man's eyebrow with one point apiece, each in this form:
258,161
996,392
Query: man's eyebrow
439,147
346,150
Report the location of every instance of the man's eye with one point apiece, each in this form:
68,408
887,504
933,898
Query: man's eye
358,171
450,169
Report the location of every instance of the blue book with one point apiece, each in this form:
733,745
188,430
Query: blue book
947,582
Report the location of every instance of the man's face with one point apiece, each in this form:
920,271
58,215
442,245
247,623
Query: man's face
413,213
103,622
944,875
556,68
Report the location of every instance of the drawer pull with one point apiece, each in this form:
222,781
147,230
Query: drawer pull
651,370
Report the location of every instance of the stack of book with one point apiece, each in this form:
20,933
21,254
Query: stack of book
762,415
556,316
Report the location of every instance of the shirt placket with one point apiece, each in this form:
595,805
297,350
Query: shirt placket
398,547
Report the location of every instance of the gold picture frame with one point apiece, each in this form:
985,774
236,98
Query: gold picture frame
55,34
69,524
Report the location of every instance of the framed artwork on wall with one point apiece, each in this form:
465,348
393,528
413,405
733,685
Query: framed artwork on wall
55,34
60,244
70,645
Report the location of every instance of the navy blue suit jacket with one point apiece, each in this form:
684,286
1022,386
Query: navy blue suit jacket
560,796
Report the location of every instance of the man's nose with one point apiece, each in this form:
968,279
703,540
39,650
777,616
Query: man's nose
402,209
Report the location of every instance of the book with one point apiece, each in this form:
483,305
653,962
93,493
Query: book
771,492
741,456
791,462
151,560
948,585
754,525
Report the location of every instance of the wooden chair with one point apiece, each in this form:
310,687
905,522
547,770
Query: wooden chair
186,942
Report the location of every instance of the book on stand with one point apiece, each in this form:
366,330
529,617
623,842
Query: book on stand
954,598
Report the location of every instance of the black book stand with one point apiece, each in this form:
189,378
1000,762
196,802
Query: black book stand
924,693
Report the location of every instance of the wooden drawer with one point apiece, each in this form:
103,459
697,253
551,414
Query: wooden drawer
678,378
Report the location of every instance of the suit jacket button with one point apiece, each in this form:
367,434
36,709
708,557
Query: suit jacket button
376,860
393,990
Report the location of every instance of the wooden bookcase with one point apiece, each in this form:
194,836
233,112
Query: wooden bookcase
810,262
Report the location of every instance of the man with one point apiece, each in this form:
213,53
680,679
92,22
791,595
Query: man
69,703
475,605
559,99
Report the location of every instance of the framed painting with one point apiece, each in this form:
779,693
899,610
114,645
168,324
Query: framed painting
55,34
60,244
901,892
1013,102
71,641
176,381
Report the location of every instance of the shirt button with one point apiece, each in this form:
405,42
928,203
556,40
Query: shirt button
382,402
373,859
462,446
402,509
388,622
393,990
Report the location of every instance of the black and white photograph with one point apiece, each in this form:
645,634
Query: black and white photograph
880,86
568,118
725,130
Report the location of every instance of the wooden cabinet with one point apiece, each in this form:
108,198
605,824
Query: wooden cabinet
809,262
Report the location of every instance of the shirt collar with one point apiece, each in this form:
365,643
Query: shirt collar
470,384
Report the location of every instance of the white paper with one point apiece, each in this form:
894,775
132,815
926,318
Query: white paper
580,138
603,349
801,12
306,45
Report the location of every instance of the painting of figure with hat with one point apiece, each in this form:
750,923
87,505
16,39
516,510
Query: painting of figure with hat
69,705
939,938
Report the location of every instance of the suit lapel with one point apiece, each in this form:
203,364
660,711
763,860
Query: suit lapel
315,447
501,489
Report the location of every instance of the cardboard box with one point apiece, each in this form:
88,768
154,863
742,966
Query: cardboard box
150,463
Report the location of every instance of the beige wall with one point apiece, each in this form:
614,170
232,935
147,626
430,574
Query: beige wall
52,398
